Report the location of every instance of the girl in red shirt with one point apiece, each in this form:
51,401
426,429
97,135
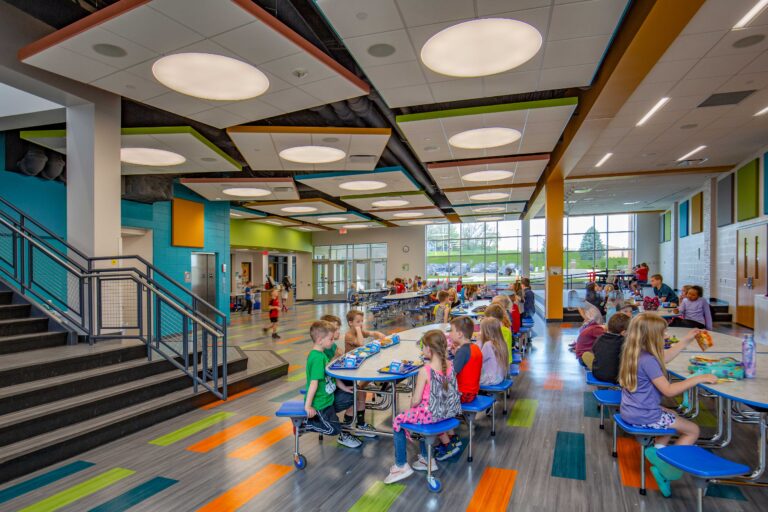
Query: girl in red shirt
274,314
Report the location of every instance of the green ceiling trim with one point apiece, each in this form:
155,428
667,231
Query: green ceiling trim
33,135
488,109
385,194
243,233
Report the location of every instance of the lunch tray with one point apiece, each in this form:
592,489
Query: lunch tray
339,364
405,369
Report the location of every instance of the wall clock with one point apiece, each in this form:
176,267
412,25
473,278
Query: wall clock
406,248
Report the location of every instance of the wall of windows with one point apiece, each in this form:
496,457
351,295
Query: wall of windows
337,267
600,242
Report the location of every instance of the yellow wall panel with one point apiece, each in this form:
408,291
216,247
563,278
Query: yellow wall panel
697,213
187,223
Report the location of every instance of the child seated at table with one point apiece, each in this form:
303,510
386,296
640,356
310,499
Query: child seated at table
443,308
356,335
529,299
641,277
435,398
497,311
607,349
495,354
643,378
694,310
663,291
586,340
324,400
614,300
510,305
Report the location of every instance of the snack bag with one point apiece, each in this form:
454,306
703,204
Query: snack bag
704,339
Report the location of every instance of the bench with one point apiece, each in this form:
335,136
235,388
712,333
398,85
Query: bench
592,381
606,398
430,431
702,464
501,387
470,409
516,357
514,370
294,410
645,437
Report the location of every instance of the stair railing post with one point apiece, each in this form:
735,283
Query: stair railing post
194,355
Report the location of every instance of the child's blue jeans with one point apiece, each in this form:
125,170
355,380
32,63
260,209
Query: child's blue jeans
401,455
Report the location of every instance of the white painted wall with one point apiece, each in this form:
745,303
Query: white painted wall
303,276
667,253
647,240
694,262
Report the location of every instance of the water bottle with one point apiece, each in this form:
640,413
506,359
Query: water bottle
748,356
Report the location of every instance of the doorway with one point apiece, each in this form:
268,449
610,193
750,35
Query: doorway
331,280
204,280
751,272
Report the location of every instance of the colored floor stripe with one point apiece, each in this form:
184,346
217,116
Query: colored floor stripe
378,498
553,382
294,367
191,429
629,464
219,438
296,377
229,399
263,442
286,341
523,413
285,396
136,495
590,406
283,351
728,492
493,491
252,345
42,480
570,456
246,490
79,491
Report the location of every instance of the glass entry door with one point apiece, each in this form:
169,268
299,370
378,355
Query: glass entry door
331,280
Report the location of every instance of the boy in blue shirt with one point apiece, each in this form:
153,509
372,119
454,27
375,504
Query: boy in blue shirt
662,291
248,297
529,299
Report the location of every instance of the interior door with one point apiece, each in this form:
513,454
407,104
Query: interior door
204,280
321,281
361,279
751,270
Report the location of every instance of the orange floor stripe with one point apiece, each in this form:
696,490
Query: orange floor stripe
629,465
263,442
246,490
525,366
553,382
290,340
229,399
493,491
219,438
294,367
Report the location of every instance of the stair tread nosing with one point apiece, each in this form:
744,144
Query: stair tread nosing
65,434
29,335
56,354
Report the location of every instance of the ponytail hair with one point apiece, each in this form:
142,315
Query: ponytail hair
438,345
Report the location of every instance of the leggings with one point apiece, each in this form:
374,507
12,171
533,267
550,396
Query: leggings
401,455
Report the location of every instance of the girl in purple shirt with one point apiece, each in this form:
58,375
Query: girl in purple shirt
695,308
643,378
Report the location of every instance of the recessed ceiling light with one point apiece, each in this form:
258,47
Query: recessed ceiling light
488,209
312,154
483,138
354,226
481,47
109,50
751,14
273,222
489,196
362,185
489,219
332,219
761,112
303,229
246,192
746,42
298,209
408,215
381,50
604,159
150,156
420,222
654,109
582,190
693,152
210,76
487,175
631,202
390,203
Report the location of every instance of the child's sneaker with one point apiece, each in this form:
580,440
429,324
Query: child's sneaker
275,336
445,451
397,473
421,464
455,441
366,430
349,441
264,329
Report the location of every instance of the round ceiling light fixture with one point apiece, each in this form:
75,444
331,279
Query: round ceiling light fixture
489,196
150,156
210,76
390,203
247,192
481,47
312,154
494,175
484,138
420,222
299,209
354,226
362,185
332,219
490,219
408,215
488,209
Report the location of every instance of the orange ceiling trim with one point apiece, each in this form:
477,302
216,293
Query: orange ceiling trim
80,26
489,187
285,31
453,217
483,161
236,180
310,129
662,172
647,31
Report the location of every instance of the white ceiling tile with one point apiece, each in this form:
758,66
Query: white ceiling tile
206,17
257,43
86,43
290,100
570,52
650,92
487,7
571,76
584,19
152,29
464,88
745,81
67,63
429,12
691,46
736,37
670,71
718,15
510,83
253,109
126,84
537,18
332,89
219,118
352,18
710,67
287,68
179,103
411,95
702,87
397,39
400,74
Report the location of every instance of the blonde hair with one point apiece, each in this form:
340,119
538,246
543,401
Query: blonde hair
438,345
497,311
645,334
490,329
504,301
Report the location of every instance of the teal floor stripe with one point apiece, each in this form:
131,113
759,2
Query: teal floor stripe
136,495
42,480
590,406
729,492
570,456
286,396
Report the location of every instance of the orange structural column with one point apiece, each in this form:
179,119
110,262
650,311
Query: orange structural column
553,211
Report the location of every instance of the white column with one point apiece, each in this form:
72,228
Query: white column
93,177
525,248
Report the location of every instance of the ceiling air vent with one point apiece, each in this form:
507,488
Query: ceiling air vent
725,98
362,159
691,162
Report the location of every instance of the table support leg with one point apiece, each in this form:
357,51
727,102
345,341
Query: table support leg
762,440
354,404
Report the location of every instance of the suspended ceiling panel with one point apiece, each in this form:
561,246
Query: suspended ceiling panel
490,208
280,189
386,37
261,146
707,58
357,225
403,200
333,218
489,218
540,124
200,154
277,221
298,208
386,179
523,169
243,214
114,49
500,195
416,222
309,228
409,213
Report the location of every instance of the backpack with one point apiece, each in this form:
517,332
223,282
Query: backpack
443,403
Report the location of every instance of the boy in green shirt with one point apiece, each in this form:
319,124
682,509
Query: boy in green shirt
323,400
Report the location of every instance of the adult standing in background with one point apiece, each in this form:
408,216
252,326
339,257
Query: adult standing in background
287,287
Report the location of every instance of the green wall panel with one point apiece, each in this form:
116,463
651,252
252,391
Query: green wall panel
667,226
747,195
243,233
